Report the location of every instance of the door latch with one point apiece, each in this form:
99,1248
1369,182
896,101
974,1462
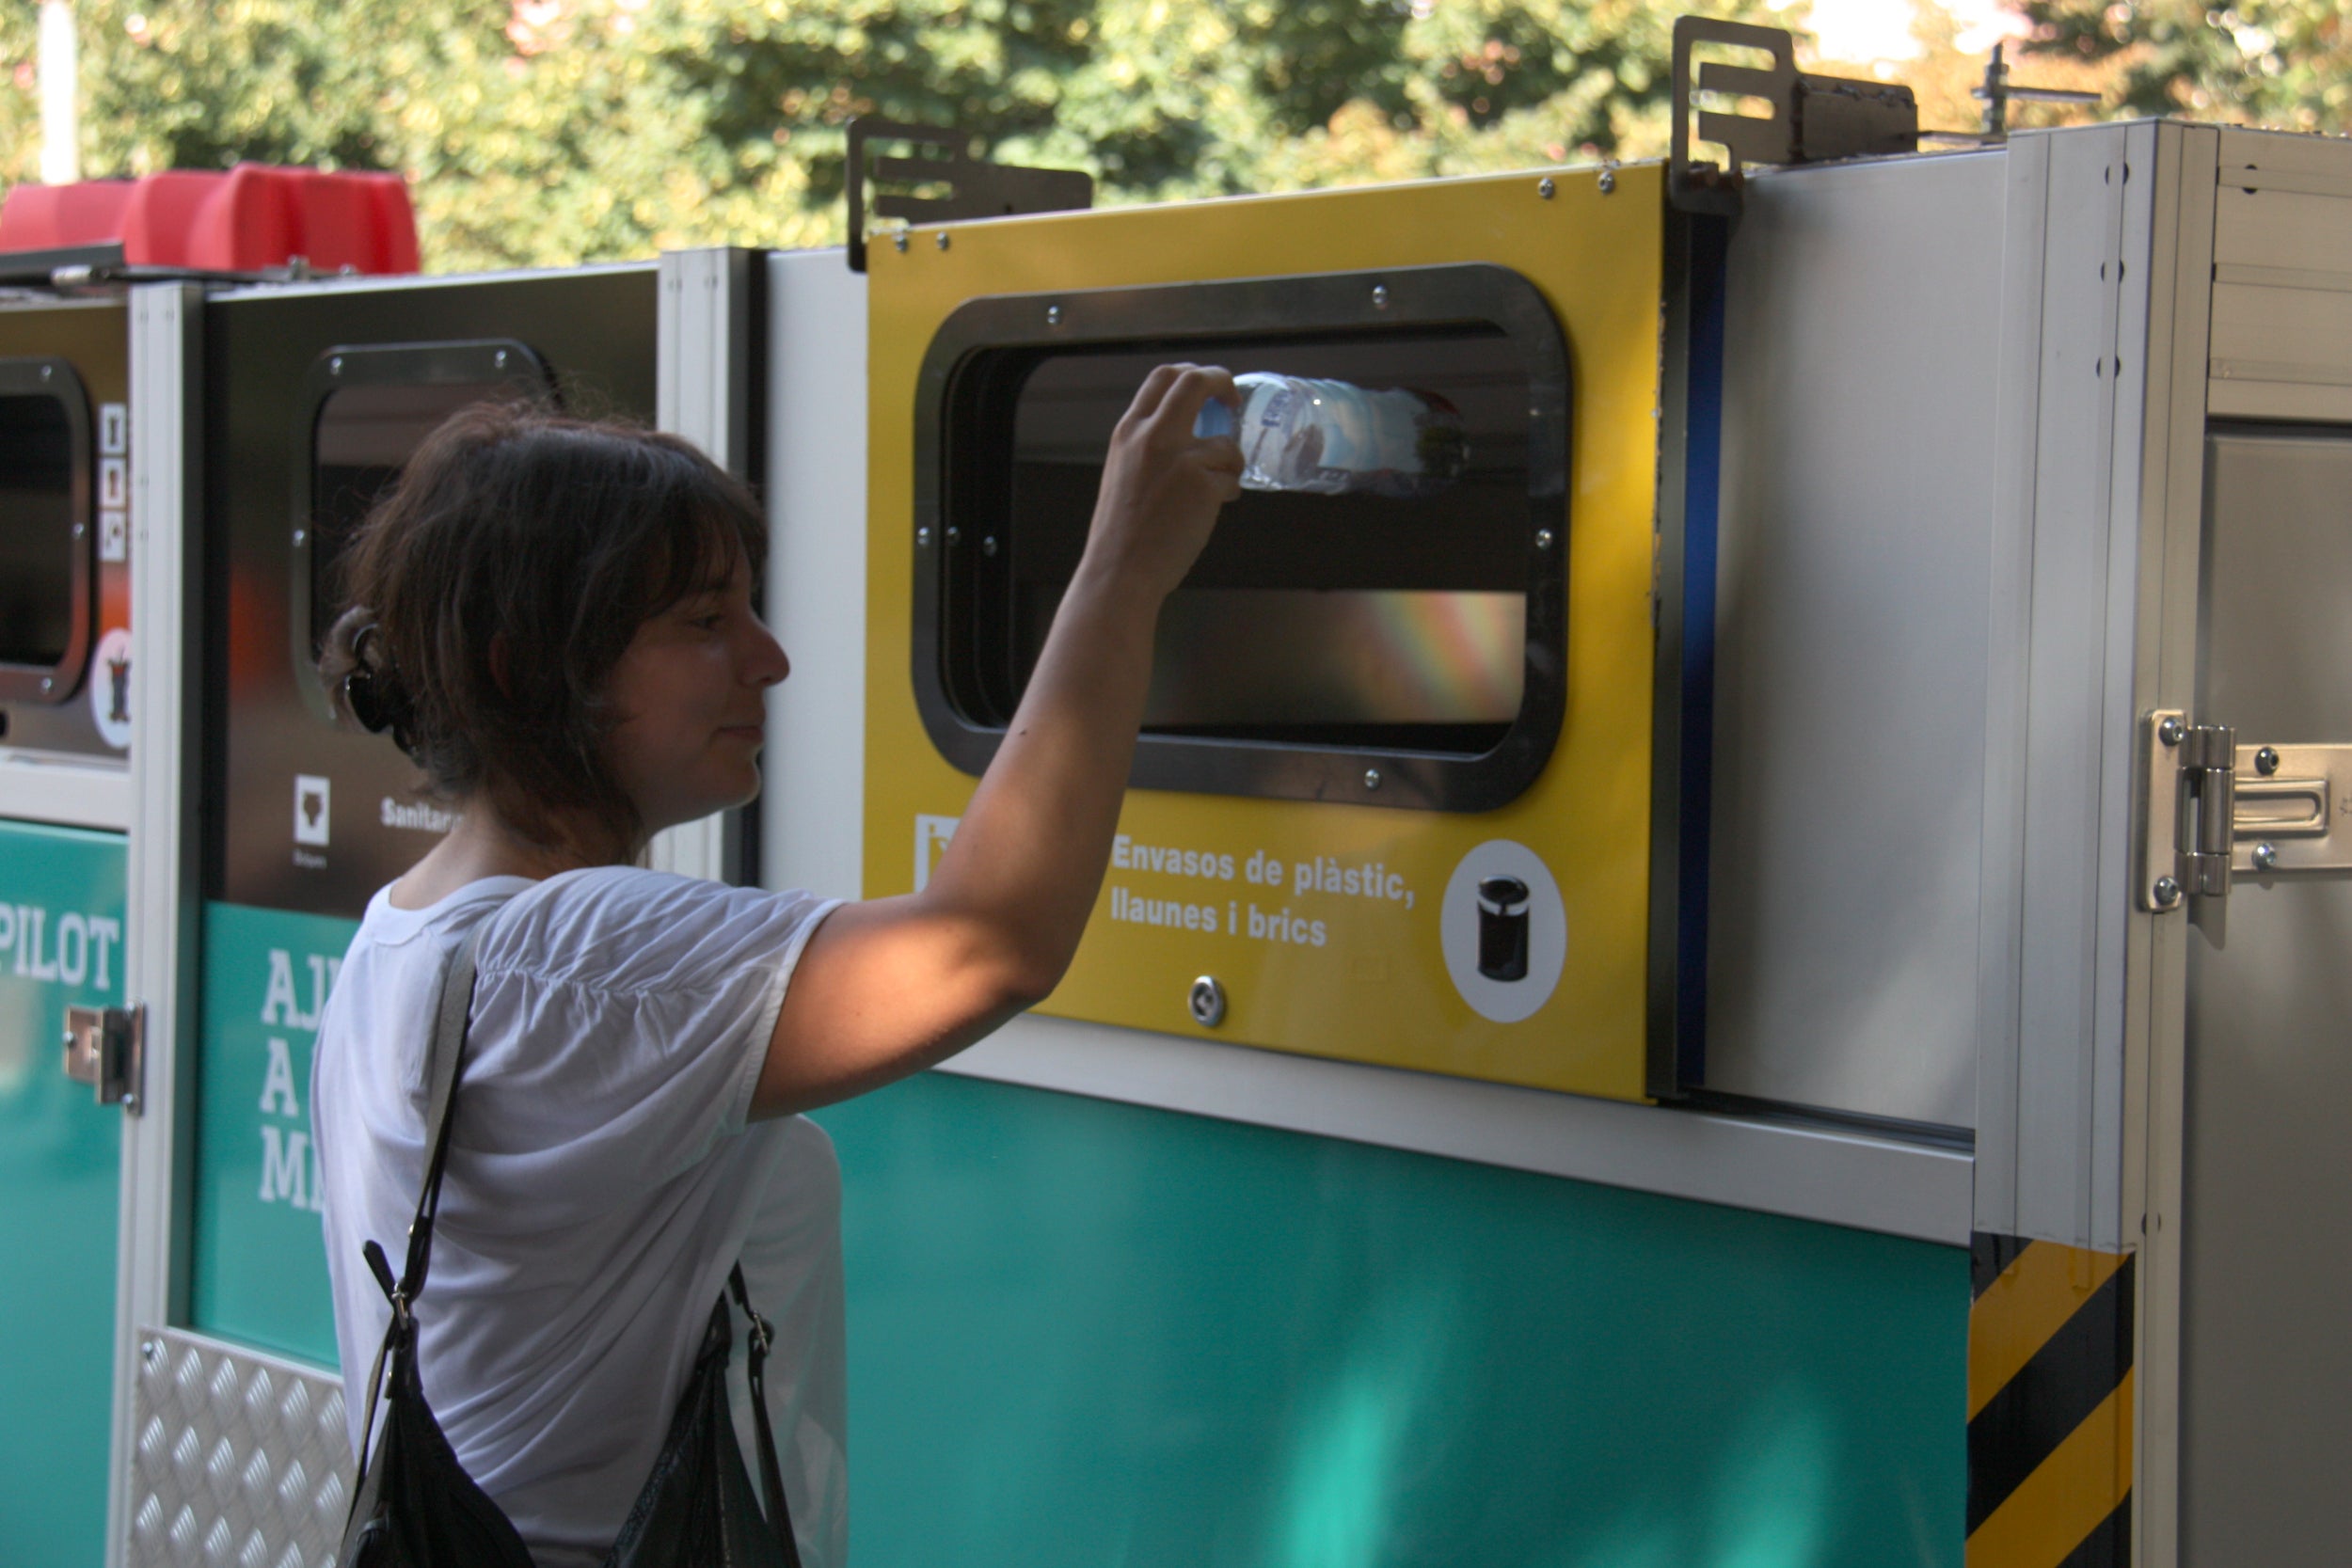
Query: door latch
2190,785
104,1047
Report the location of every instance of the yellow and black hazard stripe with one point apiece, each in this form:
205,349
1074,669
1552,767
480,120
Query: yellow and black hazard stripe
2049,1406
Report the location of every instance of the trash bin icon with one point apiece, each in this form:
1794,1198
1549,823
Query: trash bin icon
1502,929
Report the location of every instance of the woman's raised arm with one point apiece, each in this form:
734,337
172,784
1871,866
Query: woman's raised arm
894,984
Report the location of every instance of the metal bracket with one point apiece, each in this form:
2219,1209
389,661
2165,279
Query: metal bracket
1813,118
973,188
105,1048
2189,783
2294,809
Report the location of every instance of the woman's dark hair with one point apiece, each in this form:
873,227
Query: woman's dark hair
495,587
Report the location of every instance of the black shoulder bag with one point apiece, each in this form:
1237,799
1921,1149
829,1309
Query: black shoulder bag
413,1505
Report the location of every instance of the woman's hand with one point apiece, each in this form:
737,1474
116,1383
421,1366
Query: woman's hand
891,986
1162,484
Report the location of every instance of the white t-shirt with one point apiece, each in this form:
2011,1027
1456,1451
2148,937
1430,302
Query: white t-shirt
602,1180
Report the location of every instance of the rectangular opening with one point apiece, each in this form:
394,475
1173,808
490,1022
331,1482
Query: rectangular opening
39,579
1390,630
1355,620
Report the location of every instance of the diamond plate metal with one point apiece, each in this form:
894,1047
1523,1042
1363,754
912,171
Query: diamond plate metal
241,1459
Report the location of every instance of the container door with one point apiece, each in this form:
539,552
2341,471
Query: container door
60,946
2266,1287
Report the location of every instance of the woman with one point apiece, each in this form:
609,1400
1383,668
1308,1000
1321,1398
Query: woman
557,623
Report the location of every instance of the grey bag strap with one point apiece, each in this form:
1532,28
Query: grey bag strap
444,1065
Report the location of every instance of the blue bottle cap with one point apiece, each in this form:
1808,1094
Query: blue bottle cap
1215,418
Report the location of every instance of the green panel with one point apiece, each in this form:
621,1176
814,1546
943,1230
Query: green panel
259,1267
60,1157
1085,1334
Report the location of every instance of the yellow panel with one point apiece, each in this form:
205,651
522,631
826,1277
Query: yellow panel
1368,981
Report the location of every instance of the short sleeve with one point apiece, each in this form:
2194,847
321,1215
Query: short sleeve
620,1022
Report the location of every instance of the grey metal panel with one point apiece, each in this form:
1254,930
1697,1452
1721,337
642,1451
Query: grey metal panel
2085,563
159,945
2266,1285
814,801
239,1458
1859,491
1840,1178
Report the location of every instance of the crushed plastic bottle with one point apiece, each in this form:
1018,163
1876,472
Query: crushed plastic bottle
1334,437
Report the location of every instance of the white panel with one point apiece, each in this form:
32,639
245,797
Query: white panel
1841,1178
159,947
43,787
812,808
1850,654
2085,564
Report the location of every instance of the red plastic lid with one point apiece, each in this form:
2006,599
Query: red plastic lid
251,217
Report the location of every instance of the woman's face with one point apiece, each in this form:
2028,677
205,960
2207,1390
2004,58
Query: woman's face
690,703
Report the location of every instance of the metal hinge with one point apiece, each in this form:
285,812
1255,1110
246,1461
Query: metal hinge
2216,808
105,1048
2191,790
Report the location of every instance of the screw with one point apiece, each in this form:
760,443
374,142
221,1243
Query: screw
900,240
47,682
334,366
151,1351
48,371
2267,762
1607,181
1543,538
1372,778
1544,187
955,537
1205,1001
1379,296
2168,893
79,529
1052,315
2265,855
987,545
499,360
922,537
302,536
942,239
2172,730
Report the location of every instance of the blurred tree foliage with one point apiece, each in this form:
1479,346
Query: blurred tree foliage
2287,63
546,131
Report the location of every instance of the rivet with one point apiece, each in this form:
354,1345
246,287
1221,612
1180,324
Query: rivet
2266,761
942,239
334,366
1543,538
2265,855
1052,315
922,537
48,371
1544,187
151,1351
499,360
302,536
955,537
47,682
2172,730
2168,893
1379,296
1607,181
987,545
79,529
1372,778
1205,1001
899,241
